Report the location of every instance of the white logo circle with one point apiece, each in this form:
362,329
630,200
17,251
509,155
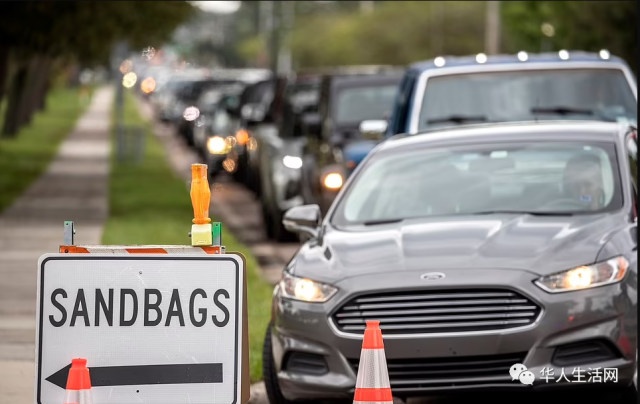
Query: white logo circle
432,276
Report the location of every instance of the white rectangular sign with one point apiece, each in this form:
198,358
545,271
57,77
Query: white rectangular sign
154,329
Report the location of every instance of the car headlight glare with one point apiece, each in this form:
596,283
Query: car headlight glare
333,181
584,277
191,114
292,162
217,145
305,290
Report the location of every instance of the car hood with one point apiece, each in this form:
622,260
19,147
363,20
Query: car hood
541,245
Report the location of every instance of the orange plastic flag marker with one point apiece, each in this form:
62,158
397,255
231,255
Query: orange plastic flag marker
201,230
372,383
78,383
200,193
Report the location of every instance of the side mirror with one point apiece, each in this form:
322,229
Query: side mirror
303,220
311,124
373,129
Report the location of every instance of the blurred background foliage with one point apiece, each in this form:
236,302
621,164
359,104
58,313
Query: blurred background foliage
579,25
48,42
335,33
39,40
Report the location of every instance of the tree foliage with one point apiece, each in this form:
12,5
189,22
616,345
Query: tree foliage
394,33
401,32
87,30
579,25
35,33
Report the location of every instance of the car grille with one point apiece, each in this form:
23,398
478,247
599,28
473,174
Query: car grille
415,375
437,311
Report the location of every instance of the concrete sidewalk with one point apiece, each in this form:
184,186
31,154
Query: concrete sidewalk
73,188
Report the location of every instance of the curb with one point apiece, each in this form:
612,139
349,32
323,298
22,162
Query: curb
258,394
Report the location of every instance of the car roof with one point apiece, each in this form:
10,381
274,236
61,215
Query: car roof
247,75
532,58
350,70
366,79
509,132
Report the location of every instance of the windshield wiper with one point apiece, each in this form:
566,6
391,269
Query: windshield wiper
386,221
458,119
561,111
522,212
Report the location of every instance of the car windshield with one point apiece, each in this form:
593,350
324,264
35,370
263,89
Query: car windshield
357,104
592,94
544,178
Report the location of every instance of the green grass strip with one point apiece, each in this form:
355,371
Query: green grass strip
148,204
26,156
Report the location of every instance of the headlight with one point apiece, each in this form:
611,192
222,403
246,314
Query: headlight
191,113
305,290
333,181
292,162
591,276
217,145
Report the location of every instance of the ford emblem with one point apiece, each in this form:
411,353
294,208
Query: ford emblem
432,276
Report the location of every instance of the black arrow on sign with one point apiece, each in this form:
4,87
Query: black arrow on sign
145,374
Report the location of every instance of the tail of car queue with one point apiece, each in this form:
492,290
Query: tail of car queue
482,208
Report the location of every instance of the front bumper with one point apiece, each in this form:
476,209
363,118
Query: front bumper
606,314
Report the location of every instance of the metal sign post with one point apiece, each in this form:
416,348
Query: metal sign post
156,324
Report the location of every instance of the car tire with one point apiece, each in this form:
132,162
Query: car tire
619,395
629,395
272,387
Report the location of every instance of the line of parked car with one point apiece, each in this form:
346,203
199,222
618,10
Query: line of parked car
483,209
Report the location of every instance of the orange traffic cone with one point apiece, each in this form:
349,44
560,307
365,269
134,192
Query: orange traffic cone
372,384
78,383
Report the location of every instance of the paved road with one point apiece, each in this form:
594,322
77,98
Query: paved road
74,186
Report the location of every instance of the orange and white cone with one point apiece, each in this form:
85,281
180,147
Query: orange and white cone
78,383
372,383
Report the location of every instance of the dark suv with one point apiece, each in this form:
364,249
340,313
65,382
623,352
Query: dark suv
346,100
278,159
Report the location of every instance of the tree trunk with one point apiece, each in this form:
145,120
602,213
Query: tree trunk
11,120
42,101
73,76
40,84
4,70
26,107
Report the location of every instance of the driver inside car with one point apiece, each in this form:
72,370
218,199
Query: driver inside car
583,181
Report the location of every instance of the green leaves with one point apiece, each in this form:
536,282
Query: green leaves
394,33
579,25
88,30
407,31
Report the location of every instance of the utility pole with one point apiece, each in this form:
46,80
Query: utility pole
288,18
120,54
436,11
492,30
272,26
366,7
